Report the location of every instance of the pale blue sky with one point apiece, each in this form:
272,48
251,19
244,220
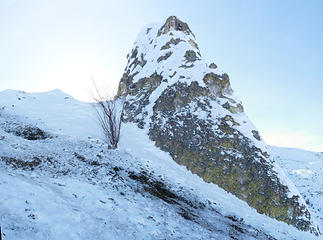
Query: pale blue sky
272,51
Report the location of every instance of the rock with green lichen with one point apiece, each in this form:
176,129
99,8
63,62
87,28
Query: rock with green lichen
190,111
171,42
213,66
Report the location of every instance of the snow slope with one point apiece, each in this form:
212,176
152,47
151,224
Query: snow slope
70,186
60,112
305,169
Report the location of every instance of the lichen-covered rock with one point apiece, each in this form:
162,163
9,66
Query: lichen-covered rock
219,84
213,66
164,57
171,42
190,56
190,112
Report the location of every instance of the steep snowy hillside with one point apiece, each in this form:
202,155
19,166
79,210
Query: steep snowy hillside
58,181
189,110
305,169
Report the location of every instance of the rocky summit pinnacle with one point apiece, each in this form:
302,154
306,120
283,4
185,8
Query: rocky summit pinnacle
173,23
189,110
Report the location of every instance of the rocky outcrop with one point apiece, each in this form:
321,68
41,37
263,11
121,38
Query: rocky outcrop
174,24
190,112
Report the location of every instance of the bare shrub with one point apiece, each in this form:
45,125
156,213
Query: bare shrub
110,113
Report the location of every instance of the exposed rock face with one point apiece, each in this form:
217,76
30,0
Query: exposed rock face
190,112
174,24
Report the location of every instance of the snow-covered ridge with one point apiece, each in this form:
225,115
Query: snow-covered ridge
49,108
81,190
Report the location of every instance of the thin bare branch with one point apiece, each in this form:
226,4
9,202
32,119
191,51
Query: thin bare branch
109,115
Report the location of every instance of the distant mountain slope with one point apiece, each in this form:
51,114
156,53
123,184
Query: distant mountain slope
66,184
305,169
189,110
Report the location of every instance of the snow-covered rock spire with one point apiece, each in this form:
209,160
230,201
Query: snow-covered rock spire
189,110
